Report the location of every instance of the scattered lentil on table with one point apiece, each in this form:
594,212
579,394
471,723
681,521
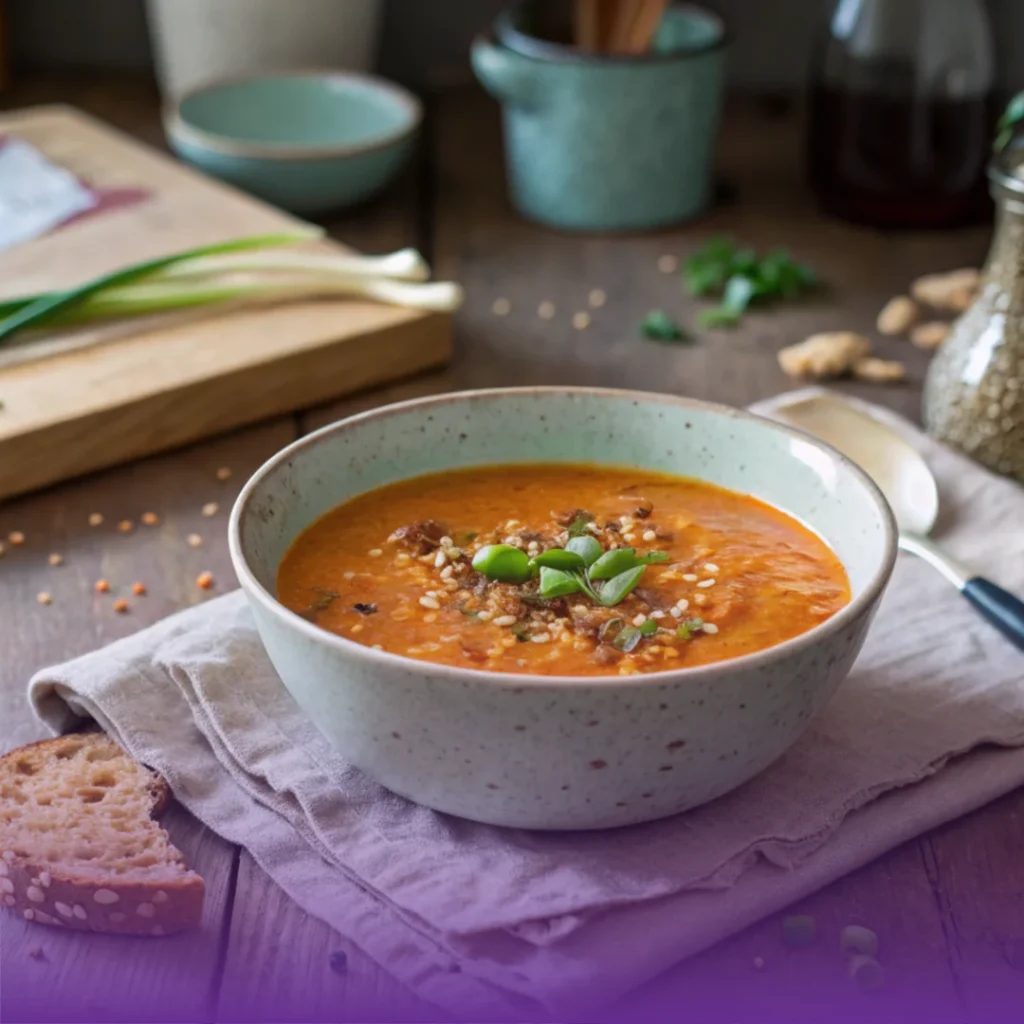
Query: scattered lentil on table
16,537
501,307
126,526
56,559
149,519
95,518
101,586
210,509
547,310
224,473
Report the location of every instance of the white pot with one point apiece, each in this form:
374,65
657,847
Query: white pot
199,41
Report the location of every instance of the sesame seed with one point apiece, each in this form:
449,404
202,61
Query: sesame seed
597,298
126,526
639,620
581,321
657,615
43,597
690,577
431,593
204,580
96,519
650,535
138,589
375,552
668,264
101,586
709,627
628,538
706,583
149,519
56,559
16,537
402,559
446,572
224,473
541,638
439,559
357,628
546,310
210,509
710,567
682,604
194,540
501,307
676,613
120,605
505,620
429,602
484,616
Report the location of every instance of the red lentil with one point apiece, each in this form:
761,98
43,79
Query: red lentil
101,586
120,606
204,580
138,589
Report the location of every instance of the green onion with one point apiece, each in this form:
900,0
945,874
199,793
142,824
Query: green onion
1012,116
649,627
627,639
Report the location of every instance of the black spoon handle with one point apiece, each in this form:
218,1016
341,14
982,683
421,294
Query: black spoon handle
999,606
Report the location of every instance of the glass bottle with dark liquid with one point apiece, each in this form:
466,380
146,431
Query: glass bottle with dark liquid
902,117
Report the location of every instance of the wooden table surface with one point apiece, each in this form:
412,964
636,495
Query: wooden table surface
947,906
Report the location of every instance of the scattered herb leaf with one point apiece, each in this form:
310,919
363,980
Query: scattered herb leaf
586,547
556,583
556,558
325,599
502,562
619,586
520,632
627,639
611,563
649,627
610,630
659,326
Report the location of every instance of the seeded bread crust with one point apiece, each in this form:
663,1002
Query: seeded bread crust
85,784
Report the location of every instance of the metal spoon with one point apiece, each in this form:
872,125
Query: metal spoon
907,483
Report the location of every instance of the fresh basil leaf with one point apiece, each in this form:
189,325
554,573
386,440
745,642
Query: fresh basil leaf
556,558
502,562
649,627
703,278
627,639
586,547
619,586
611,563
653,556
555,583
659,326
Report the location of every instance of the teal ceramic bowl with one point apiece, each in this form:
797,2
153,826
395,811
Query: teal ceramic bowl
309,142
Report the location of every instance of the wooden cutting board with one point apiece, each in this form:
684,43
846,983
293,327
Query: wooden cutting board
80,401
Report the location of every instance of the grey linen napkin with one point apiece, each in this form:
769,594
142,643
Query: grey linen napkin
488,921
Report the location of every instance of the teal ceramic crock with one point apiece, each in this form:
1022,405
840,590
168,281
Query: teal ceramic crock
598,142
309,142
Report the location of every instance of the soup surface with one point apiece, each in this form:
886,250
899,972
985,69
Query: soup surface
393,569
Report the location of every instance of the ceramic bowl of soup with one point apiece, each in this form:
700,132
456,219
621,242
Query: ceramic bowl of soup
561,608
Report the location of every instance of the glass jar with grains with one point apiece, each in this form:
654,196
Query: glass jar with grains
974,391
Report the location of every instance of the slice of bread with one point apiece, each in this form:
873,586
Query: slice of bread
79,846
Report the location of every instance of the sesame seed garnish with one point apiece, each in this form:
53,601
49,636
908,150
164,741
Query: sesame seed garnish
210,509
597,298
194,540
224,473
96,519
446,542
149,519
375,552
16,537
657,615
541,638
504,620
101,586
430,617
56,559
668,264
628,538
357,628
484,616
43,597
676,613
710,567
430,602
138,589
707,583
439,559
126,526
682,604
581,321
690,577
501,307
446,572
204,580
120,605
546,310
709,627
649,535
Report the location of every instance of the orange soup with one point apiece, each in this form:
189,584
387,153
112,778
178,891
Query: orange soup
561,570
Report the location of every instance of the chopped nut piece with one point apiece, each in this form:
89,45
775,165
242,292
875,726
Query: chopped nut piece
882,371
953,291
898,315
56,559
930,335
822,356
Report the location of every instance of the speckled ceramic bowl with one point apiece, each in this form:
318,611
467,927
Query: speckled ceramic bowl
561,753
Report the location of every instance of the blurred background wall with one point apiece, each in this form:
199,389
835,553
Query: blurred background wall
425,41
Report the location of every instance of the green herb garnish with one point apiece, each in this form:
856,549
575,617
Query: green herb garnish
323,601
742,278
649,627
627,639
1008,123
659,326
503,562
578,527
